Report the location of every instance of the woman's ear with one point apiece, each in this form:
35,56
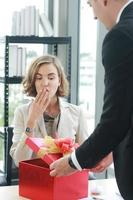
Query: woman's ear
59,82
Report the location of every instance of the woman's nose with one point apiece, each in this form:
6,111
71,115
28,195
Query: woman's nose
44,82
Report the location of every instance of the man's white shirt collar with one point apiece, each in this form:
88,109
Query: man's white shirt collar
121,10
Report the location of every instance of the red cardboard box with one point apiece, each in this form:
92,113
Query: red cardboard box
35,182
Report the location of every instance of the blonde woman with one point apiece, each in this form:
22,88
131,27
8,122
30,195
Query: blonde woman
47,113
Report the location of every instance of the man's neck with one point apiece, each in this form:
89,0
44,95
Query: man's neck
115,10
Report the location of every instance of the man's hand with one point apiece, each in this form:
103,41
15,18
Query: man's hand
103,164
61,167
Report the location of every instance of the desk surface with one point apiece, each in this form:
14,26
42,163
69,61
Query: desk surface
107,189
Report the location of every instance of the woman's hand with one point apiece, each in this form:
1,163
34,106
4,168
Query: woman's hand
38,107
103,164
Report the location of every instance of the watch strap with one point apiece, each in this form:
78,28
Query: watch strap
70,162
29,130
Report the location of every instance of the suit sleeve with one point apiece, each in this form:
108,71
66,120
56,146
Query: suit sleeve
115,120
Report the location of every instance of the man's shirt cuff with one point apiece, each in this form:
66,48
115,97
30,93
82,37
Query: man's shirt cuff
75,161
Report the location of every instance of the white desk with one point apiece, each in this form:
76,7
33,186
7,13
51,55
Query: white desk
9,193
107,187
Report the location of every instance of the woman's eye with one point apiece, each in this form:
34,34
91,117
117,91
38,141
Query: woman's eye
51,78
38,78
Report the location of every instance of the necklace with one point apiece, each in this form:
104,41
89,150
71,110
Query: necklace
52,114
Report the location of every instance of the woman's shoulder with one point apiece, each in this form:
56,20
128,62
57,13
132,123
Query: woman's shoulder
23,107
64,104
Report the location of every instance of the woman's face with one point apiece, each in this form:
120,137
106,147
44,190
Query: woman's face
47,78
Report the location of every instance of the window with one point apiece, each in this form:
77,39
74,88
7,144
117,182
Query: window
87,73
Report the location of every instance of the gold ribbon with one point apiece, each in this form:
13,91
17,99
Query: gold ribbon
49,147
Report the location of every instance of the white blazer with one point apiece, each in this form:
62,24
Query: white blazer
73,123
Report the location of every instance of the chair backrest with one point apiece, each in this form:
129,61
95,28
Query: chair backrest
11,170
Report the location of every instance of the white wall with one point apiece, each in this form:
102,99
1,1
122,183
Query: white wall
101,31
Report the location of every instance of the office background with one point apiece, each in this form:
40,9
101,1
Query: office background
68,18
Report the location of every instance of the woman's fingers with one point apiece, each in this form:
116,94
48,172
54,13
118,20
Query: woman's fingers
42,98
38,96
45,103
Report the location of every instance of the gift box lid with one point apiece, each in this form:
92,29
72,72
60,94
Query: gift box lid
37,145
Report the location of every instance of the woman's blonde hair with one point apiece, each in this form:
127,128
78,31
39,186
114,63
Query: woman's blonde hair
29,80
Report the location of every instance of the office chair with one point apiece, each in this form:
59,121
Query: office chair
11,170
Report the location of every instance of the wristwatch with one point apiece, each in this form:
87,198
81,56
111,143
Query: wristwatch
28,130
70,162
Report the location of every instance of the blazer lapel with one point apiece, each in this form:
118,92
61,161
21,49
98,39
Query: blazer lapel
62,127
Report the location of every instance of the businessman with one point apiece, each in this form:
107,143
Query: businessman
114,133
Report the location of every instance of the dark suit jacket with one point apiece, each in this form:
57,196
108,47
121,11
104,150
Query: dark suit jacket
115,129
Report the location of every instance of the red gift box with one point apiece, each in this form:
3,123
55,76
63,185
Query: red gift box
36,144
35,182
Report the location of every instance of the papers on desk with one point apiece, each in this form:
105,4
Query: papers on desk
115,196
99,193
104,197
105,189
